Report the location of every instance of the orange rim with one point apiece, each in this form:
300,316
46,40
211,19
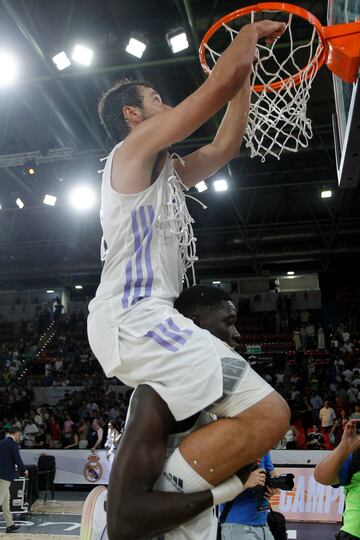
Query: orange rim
269,6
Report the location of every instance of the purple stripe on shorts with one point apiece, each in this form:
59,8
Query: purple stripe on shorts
148,264
171,335
175,327
160,341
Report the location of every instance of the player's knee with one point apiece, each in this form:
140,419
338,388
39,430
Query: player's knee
278,416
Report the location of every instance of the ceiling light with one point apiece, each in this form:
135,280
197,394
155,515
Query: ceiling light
19,203
50,200
326,194
78,287
201,186
8,69
216,282
82,197
290,273
50,291
220,185
30,167
136,47
82,55
61,61
177,40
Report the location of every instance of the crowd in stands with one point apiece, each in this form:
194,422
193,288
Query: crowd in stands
316,368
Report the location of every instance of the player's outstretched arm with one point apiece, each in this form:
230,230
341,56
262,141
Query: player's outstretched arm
133,509
228,76
201,164
327,471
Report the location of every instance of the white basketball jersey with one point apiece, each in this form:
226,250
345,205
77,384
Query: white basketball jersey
148,242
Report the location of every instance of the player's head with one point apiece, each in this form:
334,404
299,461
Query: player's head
126,104
210,308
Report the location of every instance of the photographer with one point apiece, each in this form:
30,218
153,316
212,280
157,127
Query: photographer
247,515
342,467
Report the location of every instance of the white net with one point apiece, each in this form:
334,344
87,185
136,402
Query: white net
278,117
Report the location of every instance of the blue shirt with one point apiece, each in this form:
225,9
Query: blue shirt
344,470
244,509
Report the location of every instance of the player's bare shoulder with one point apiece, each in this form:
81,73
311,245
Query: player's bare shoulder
131,171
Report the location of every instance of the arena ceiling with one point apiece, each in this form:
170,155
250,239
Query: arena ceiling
272,218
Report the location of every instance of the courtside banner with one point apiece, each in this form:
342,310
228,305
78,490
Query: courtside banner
309,501
75,466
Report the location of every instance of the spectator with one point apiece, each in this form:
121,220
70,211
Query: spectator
327,417
315,440
54,433
320,338
97,435
316,403
246,519
290,437
83,433
74,438
356,414
67,431
9,459
342,467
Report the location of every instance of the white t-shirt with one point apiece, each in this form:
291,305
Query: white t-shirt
327,416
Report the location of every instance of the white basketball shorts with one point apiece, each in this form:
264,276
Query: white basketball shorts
186,365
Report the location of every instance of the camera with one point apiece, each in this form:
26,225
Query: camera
283,481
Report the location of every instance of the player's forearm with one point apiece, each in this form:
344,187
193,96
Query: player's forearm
235,63
154,513
232,128
326,472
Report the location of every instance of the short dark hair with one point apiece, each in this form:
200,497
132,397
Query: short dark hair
14,429
124,92
200,297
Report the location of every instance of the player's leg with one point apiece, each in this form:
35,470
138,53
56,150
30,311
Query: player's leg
220,449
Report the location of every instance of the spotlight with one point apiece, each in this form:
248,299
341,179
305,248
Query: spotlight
290,273
50,200
177,40
220,185
136,46
326,194
82,55
19,203
201,186
50,291
61,61
30,167
216,282
82,197
8,68
78,287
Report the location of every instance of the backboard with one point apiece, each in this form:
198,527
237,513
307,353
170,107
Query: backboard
346,122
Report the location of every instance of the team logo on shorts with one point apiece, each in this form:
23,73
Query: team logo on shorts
93,470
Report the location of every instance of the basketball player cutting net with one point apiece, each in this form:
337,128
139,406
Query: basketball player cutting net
133,329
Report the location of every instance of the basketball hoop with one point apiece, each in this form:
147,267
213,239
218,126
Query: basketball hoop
281,82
